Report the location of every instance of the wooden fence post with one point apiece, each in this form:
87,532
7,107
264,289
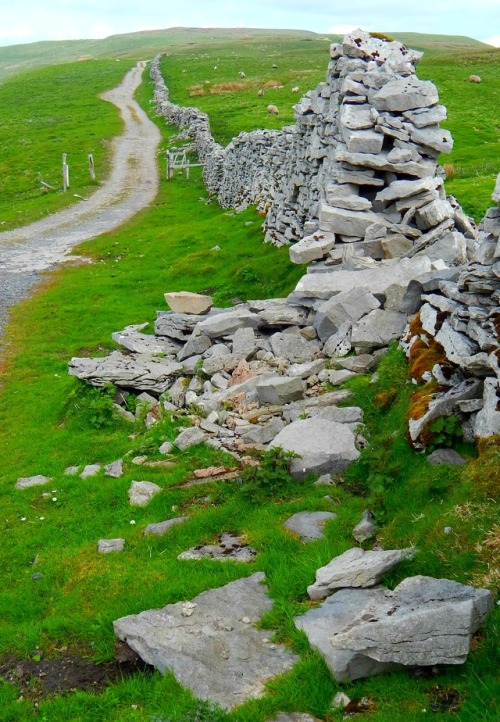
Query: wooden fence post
65,172
91,166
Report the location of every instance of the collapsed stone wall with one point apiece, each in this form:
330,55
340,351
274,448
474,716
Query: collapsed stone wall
356,179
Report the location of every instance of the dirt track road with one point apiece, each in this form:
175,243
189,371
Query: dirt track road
131,185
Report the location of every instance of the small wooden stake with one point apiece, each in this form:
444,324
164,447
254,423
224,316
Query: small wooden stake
91,166
65,172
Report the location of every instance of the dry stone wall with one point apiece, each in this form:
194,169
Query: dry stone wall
364,145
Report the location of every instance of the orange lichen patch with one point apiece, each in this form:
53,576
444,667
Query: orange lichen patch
196,90
423,357
420,400
221,88
385,398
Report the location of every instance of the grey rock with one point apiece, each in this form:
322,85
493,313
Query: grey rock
351,415
162,527
422,169
309,524
131,339
177,325
396,246
304,370
105,546
71,470
423,622
230,547
226,323
140,493
445,404
405,94
457,346
189,437
280,390
257,434
166,447
283,314
377,278
312,247
292,346
324,480
377,329
138,371
244,343
355,568
212,651
345,222
335,614
433,214
25,482
339,343
496,192
336,377
438,139
195,346
488,419
345,307
426,116
446,456
115,469
90,470
363,141
323,446
366,528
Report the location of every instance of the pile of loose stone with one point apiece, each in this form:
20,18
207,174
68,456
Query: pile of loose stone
256,373
463,317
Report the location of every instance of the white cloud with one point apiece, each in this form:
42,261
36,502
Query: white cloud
341,29
495,40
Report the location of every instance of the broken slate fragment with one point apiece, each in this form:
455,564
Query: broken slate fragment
355,568
115,469
189,437
162,527
366,528
423,622
104,546
24,482
140,493
230,547
217,651
322,446
446,456
90,470
309,524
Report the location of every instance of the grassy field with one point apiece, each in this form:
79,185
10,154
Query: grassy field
49,421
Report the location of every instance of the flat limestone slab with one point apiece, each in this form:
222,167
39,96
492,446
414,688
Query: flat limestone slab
25,482
211,644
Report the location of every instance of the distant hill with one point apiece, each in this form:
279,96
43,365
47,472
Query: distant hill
15,59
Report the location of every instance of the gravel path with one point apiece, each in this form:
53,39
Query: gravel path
132,185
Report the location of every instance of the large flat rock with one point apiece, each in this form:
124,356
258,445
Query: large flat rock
423,622
211,644
355,568
377,279
143,372
323,446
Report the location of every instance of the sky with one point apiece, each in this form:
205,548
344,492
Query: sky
27,21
